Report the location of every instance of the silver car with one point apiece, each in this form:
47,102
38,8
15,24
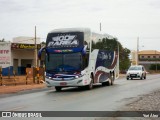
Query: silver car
136,71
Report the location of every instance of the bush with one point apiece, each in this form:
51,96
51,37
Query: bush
154,67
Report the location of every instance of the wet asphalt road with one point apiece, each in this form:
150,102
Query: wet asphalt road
109,98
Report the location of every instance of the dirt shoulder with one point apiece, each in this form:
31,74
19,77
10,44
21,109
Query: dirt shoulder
13,89
148,102
19,83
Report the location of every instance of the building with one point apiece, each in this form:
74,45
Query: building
148,57
5,57
19,55
145,57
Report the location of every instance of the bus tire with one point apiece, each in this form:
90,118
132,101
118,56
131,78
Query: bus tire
105,83
112,78
58,88
109,82
90,86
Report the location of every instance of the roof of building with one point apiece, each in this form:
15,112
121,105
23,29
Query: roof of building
26,40
149,52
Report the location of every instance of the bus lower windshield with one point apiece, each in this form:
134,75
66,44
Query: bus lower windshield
63,62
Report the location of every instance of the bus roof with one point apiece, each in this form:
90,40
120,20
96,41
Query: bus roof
85,30
70,30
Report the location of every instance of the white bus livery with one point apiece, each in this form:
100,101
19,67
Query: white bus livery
70,60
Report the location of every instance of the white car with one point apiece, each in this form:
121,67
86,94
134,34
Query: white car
136,71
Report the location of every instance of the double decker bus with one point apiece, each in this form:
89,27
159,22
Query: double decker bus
70,60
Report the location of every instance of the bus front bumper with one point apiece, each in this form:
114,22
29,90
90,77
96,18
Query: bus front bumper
66,83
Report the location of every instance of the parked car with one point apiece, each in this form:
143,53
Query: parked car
136,71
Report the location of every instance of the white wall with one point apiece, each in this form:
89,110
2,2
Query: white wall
22,54
5,54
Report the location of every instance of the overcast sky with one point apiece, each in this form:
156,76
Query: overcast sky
124,19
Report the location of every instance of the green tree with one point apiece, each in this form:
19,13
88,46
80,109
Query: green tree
154,67
124,61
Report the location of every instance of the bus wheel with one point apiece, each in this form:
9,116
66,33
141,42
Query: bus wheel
90,86
109,82
58,88
112,78
105,83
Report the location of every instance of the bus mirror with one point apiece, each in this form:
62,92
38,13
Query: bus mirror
84,50
41,54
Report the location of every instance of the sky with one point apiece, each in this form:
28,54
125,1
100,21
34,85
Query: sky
127,20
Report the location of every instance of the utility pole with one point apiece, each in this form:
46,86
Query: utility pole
35,57
100,27
137,50
117,61
35,50
156,60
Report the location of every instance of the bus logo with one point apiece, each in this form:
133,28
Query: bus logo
64,41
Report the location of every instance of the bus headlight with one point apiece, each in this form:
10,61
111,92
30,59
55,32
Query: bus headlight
76,76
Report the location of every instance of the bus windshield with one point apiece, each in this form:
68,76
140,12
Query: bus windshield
63,62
